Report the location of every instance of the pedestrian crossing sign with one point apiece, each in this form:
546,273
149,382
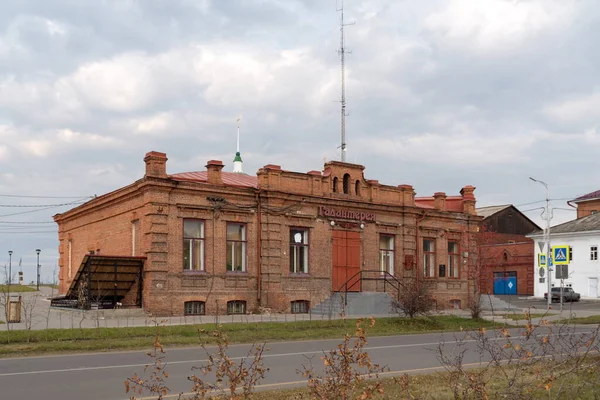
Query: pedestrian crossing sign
542,260
560,255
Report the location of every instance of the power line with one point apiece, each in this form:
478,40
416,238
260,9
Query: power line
1,232
47,197
31,211
27,222
38,205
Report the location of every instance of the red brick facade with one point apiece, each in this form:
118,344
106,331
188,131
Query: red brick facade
146,219
504,254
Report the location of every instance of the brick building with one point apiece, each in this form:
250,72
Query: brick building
507,253
214,241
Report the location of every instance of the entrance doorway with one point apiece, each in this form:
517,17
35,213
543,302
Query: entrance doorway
346,260
505,282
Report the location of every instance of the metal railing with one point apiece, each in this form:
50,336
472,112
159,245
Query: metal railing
386,277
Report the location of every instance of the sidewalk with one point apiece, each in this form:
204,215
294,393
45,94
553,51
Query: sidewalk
37,315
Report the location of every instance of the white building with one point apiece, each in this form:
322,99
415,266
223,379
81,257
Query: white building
583,237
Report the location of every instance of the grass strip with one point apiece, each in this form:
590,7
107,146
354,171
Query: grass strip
594,319
21,343
16,289
520,316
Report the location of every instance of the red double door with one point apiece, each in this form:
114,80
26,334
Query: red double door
346,261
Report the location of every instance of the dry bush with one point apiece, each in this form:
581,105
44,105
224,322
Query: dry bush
545,360
414,299
220,377
232,380
349,370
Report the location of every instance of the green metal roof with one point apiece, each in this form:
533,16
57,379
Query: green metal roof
237,157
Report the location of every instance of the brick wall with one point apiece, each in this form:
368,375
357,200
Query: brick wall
281,200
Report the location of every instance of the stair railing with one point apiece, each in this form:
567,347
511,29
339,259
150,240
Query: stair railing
388,279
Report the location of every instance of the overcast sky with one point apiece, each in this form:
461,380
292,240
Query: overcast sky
441,94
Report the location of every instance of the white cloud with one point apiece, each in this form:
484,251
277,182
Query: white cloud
454,149
491,25
37,147
581,108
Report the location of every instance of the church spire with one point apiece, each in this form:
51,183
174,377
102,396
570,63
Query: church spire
237,161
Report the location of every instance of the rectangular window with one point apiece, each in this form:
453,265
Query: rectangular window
299,251
593,253
453,260
429,258
236,247
570,254
193,245
386,253
236,307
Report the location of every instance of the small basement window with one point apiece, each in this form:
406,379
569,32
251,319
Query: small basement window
194,308
300,307
236,307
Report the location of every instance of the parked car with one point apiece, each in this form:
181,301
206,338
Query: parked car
568,294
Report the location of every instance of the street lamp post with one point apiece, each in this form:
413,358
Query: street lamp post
9,267
38,268
547,218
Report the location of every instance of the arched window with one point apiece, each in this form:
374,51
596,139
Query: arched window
193,308
335,184
346,183
300,307
505,256
357,188
236,307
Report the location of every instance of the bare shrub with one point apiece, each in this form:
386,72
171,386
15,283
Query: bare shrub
549,361
155,384
219,378
414,299
232,380
348,370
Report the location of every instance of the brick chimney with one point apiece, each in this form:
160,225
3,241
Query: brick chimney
468,199
213,168
439,201
156,164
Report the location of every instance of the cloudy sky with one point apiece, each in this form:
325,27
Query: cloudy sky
441,94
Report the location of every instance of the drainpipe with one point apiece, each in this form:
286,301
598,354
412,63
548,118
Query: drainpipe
259,247
419,220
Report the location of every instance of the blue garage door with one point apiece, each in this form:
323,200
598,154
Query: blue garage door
505,282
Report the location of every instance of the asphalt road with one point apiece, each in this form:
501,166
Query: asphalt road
102,375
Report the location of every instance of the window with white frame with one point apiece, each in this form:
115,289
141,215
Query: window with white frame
429,258
194,308
386,253
299,251
300,307
593,253
453,260
236,247
193,245
236,307
134,236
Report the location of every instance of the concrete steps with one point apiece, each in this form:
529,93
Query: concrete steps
492,303
359,303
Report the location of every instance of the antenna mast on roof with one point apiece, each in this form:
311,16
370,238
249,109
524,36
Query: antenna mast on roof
342,51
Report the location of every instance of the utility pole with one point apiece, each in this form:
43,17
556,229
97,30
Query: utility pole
547,217
342,51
